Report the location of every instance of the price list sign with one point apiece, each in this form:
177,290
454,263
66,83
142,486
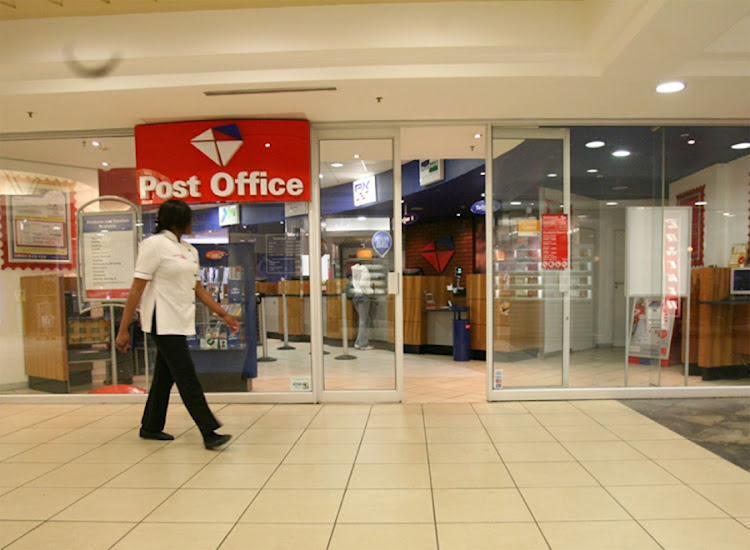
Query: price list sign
555,241
107,255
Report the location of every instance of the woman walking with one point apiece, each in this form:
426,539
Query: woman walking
167,280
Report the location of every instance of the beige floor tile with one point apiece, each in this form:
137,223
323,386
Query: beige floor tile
154,476
710,470
643,432
678,449
8,450
242,409
278,536
286,421
115,505
602,450
573,504
269,436
19,473
331,436
52,452
252,454
38,503
310,476
34,435
490,536
62,535
509,407
231,476
395,408
565,419
393,435
294,506
118,453
12,530
180,454
519,434
470,476
550,474
339,421
396,421
392,453
177,536
533,452
295,409
390,476
386,506
203,506
744,521
508,420
321,454
91,435
462,452
581,433
480,505
698,534
457,435
448,408
65,421
733,498
79,475
665,502
384,537
434,420
550,407
623,418
612,535
629,472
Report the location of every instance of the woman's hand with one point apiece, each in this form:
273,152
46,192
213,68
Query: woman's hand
231,322
122,343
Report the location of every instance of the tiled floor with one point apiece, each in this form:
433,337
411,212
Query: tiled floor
546,475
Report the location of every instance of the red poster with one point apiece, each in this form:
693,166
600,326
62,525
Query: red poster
555,241
223,161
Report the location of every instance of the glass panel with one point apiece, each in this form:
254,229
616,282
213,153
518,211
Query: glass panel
528,308
357,234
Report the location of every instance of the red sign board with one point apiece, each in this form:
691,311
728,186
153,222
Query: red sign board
223,161
555,241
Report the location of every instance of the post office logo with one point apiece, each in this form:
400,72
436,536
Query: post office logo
219,143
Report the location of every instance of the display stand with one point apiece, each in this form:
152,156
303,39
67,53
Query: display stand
99,284
345,355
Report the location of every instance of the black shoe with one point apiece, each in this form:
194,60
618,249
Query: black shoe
213,440
159,436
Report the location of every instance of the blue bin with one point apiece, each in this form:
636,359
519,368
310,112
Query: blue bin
461,338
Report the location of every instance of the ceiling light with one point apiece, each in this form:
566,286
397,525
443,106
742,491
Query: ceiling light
95,143
691,141
482,195
729,215
612,203
477,135
515,203
701,203
320,176
268,145
582,216
361,218
356,156
621,153
619,188
670,87
336,165
742,145
458,214
592,170
105,164
481,173
595,144
553,175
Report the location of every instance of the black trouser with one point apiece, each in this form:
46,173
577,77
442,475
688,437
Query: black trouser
174,365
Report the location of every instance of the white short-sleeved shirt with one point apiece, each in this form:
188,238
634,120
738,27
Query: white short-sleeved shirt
171,266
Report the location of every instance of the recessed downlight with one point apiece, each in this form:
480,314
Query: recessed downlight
458,214
612,203
621,153
336,165
482,195
268,145
105,164
592,170
670,87
482,173
515,203
552,175
596,144
356,156
701,203
95,143
477,135
741,145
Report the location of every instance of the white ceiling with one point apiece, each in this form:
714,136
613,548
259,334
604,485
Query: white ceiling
512,61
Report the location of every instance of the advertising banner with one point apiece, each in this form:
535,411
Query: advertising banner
554,241
223,161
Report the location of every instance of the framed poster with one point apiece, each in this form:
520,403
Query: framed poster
696,199
37,228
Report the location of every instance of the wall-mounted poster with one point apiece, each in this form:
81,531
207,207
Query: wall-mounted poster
37,228
555,241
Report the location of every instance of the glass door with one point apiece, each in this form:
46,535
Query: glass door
529,259
359,201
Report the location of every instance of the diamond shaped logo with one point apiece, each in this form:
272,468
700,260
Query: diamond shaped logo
438,253
219,143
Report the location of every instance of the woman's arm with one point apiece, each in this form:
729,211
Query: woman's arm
122,343
205,298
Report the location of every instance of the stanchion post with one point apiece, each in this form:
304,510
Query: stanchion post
345,356
286,323
263,334
112,349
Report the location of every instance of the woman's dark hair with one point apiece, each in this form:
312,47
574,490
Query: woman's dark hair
174,215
